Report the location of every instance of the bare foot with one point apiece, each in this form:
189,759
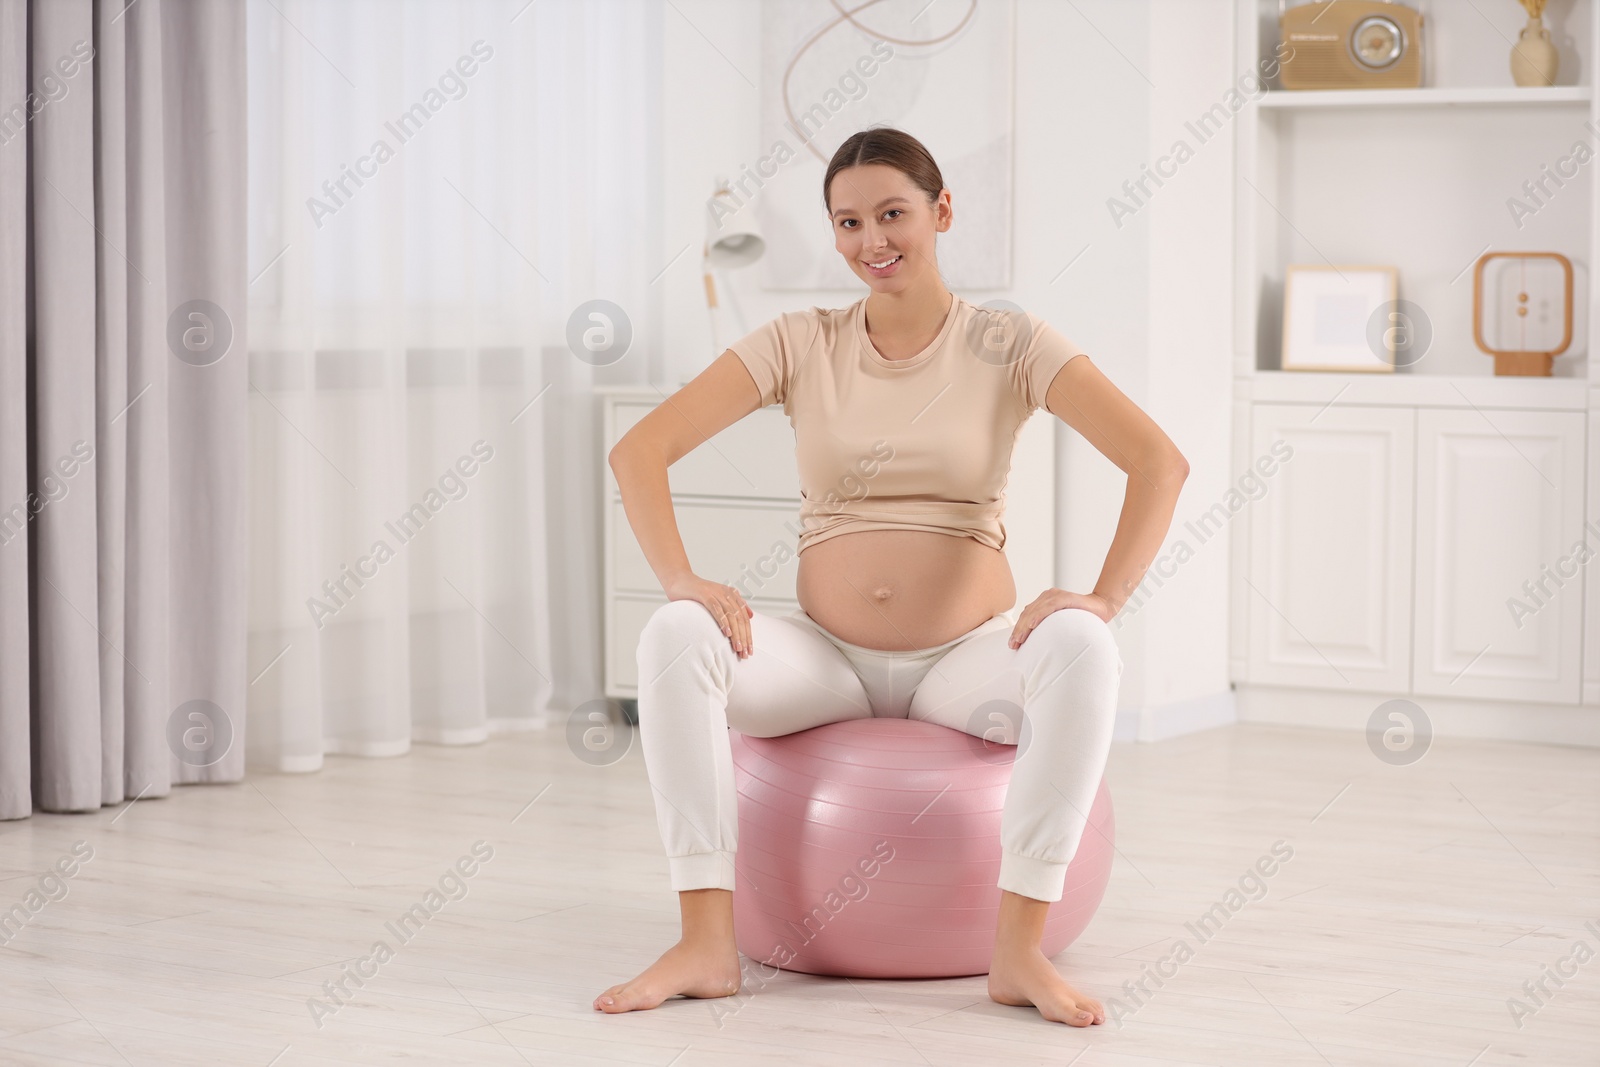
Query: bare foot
698,969
1023,976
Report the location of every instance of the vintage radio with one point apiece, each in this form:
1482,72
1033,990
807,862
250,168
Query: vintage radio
1351,44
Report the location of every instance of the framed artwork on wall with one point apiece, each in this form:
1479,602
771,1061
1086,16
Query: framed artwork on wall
1335,318
942,72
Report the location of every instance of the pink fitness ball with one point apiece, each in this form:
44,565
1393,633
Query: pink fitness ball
870,848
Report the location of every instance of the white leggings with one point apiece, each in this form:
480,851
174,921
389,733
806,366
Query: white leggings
1059,690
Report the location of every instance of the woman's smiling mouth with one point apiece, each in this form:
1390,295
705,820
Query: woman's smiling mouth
885,267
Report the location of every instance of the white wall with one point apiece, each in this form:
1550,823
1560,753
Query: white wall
1102,88
1184,644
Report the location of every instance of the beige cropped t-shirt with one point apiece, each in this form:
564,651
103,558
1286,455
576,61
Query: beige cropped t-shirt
922,443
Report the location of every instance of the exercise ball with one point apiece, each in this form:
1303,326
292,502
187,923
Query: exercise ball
870,848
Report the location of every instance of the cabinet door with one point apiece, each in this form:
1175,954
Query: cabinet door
1330,547
1499,508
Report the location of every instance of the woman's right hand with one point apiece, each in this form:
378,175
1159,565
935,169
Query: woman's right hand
724,603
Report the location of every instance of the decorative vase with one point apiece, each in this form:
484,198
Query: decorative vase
1533,58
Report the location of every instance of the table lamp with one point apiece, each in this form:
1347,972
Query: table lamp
733,240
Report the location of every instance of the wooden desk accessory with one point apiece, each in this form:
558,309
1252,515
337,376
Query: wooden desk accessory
1520,348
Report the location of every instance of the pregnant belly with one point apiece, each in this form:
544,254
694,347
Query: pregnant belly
902,589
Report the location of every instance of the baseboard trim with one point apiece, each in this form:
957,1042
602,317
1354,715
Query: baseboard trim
1177,719
1500,720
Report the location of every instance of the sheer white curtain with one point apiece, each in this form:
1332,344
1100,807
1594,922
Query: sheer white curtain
435,187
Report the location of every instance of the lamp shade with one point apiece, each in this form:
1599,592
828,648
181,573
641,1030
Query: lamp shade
733,238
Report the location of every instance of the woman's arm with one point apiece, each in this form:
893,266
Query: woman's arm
1085,399
719,396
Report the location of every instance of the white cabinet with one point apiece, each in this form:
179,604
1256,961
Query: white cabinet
1419,550
753,458
1499,500
735,498
736,542
737,503
1330,574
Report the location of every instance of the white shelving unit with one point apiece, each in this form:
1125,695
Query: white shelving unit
1382,560
1460,96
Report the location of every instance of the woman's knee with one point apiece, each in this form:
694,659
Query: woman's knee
1084,637
674,626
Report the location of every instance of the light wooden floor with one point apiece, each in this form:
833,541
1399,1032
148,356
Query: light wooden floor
1418,900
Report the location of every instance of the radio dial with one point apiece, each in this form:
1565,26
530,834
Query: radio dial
1377,42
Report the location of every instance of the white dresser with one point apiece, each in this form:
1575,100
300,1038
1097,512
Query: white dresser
736,498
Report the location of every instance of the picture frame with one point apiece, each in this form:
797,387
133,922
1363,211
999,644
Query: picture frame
1329,317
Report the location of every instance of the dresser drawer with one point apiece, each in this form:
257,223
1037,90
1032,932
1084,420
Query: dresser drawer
629,614
750,548
753,457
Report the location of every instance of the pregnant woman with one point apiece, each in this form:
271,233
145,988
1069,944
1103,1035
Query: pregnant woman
906,597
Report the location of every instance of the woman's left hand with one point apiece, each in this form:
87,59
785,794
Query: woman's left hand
1053,600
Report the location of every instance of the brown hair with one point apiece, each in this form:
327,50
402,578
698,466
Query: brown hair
895,148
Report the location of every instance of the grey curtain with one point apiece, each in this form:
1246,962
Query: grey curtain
122,399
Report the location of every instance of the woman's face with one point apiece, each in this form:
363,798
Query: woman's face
880,217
